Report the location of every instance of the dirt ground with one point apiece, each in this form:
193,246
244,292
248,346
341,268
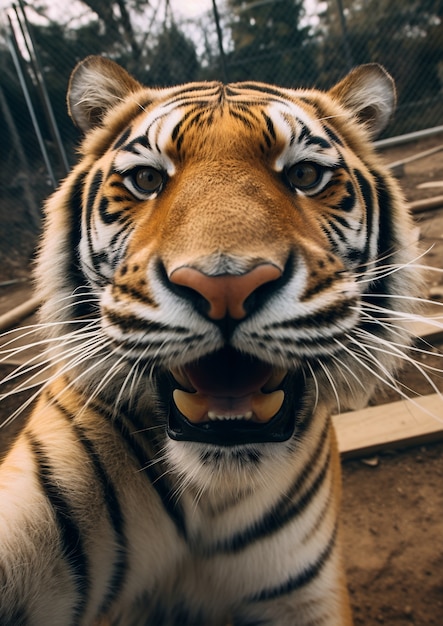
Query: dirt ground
392,503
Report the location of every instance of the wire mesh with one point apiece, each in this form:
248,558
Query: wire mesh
162,42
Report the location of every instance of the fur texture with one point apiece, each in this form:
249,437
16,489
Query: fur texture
218,275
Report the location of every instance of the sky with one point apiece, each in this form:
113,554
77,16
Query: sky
190,8
185,8
70,11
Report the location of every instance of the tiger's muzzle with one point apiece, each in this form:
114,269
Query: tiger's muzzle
226,397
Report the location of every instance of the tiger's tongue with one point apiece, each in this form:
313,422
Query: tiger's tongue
228,384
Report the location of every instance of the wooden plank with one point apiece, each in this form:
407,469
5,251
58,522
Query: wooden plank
431,330
430,184
394,425
428,204
397,167
429,322
19,313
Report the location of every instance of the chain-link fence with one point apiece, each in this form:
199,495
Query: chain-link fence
287,42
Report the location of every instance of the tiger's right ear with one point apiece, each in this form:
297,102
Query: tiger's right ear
368,91
97,85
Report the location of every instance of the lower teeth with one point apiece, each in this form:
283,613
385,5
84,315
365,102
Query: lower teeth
214,416
195,407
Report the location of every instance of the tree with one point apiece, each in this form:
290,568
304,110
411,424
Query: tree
271,43
172,60
116,19
394,33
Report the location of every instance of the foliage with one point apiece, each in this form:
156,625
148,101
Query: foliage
267,40
173,60
405,37
270,43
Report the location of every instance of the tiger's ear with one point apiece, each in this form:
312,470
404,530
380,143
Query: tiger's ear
96,85
369,92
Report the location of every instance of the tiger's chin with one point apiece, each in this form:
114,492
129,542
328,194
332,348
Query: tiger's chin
229,399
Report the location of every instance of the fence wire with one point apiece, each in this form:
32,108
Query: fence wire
162,42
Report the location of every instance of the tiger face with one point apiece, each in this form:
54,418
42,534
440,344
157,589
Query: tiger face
227,243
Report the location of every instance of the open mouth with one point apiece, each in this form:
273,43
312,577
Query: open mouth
228,398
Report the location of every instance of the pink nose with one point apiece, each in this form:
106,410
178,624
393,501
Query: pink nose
226,294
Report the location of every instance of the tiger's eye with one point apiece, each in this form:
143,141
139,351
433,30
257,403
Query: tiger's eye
148,179
304,175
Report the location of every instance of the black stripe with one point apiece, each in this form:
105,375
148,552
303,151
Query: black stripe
312,139
267,139
120,565
332,135
122,139
213,88
341,220
338,231
132,323
177,128
321,318
112,504
269,125
74,204
387,239
242,118
107,217
138,347
155,472
319,141
125,224
206,115
192,117
134,293
366,189
236,89
69,532
285,510
93,190
142,141
386,244
306,576
347,203
152,471
353,255
245,108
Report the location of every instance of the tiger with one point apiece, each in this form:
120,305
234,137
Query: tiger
218,275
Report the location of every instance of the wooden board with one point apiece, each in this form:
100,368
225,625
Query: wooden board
394,425
429,328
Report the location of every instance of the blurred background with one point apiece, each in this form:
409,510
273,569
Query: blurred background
163,42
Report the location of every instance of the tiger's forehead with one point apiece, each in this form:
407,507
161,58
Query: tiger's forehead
214,116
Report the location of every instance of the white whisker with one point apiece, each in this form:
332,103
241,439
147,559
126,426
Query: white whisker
372,366
397,296
317,390
35,328
331,382
46,355
47,363
68,366
346,367
393,350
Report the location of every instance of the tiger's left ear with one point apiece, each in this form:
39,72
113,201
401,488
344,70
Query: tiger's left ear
369,92
97,85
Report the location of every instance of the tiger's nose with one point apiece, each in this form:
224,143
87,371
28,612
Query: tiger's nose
226,294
